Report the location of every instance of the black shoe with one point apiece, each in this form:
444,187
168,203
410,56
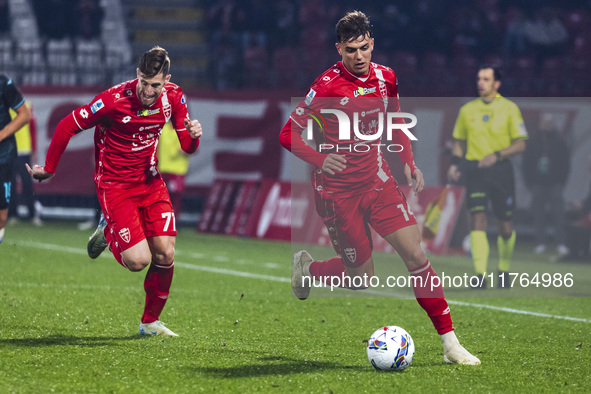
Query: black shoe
504,280
481,283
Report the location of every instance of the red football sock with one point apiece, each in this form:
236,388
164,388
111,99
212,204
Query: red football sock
429,294
327,268
157,286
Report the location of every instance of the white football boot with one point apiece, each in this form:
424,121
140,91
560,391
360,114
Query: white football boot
97,242
156,328
454,353
1,234
299,269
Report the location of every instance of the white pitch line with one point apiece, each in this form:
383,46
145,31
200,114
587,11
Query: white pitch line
281,279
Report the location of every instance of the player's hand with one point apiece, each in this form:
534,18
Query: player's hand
194,128
417,175
487,161
38,172
334,163
453,174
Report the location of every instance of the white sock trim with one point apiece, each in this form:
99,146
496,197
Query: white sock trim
420,270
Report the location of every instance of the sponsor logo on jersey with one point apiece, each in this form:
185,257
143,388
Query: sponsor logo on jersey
148,112
363,91
97,106
310,96
125,234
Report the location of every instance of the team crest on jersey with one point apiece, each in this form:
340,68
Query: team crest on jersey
128,92
97,106
125,234
148,112
310,96
363,91
166,106
351,254
485,118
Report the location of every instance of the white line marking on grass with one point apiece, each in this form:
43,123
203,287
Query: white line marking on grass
226,271
517,311
251,275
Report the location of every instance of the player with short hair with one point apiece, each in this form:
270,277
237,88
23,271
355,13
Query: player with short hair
10,97
139,224
354,187
488,131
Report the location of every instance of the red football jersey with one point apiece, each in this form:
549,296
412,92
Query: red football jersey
126,134
364,100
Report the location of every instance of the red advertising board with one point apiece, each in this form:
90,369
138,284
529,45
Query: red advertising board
286,211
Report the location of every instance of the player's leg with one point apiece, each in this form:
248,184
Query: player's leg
393,219
349,234
159,222
429,293
477,184
5,189
479,245
121,229
503,205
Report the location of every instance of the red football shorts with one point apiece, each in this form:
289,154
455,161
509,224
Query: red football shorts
137,213
348,220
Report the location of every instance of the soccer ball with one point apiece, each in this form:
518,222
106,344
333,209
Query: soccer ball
390,349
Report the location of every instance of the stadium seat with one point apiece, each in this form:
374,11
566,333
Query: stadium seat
286,68
464,66
256,64
89,56
495,60
60,60
381,58
553,69
582,47
435,81
434,64
522,75
464,69
405,64
29,54
577,22
6,58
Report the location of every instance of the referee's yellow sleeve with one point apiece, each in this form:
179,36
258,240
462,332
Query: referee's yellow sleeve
517,130
459,128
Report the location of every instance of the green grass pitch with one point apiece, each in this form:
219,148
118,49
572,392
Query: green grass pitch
69,324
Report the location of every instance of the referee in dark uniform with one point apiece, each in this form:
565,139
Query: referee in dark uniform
487,132
10,97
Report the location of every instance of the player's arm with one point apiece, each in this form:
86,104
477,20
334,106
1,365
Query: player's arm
516,147
406,154
292,141
188,130
459,147
23,116
458,151
82,118
13,98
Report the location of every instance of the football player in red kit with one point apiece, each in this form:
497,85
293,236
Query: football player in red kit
139,223
353,184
